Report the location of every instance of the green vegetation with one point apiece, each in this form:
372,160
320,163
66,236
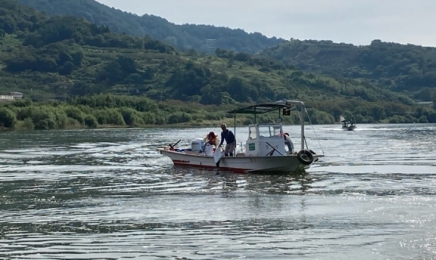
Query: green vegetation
76,74
107,110
407,69
202,38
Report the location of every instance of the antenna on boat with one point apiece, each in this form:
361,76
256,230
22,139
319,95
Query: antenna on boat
234,129
313,129
302,116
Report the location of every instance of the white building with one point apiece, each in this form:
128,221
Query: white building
16,95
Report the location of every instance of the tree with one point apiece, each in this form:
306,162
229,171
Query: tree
7,117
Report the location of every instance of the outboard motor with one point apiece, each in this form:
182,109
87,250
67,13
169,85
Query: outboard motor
197,145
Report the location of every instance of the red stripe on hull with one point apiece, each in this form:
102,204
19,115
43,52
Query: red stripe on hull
186,163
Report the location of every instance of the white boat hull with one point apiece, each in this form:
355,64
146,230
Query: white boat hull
240,164
264,147
349,128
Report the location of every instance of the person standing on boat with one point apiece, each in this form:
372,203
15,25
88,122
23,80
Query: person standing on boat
289,143
228,135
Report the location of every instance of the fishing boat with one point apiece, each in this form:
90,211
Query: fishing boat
347,124
264,151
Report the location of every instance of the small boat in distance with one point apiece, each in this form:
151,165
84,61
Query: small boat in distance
348,125
264,148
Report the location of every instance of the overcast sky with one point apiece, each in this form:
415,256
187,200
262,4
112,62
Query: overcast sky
350,21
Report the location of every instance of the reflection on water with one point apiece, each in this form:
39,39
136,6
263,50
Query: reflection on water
107,194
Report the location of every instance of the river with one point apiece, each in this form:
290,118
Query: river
108,194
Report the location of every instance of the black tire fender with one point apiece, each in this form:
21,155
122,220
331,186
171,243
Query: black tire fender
305,157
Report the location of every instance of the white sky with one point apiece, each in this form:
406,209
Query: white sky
351,21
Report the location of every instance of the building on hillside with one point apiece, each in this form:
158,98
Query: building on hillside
11,97
16,95
6,98
211,44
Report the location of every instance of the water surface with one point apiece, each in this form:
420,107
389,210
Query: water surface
108,194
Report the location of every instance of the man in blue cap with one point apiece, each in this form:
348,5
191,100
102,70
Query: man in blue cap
228,135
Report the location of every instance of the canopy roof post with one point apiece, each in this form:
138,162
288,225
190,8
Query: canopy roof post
269,107
302,127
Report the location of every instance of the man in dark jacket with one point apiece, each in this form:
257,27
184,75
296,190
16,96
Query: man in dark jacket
228,135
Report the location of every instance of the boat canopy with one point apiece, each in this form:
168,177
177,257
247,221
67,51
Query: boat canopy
285,105
266,107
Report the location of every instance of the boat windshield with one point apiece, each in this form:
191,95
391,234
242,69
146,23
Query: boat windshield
253,133
277,131
270,131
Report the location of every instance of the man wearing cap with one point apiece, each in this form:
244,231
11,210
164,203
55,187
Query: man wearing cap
228,135
289,143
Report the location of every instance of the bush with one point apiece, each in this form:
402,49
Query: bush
24,113
213,116
74,112
115,117
91,121
45,124
73,123
149,118
22,102
60,118
109,116
131,116
179,117
101,116
423,119
7,117
45,118
25,124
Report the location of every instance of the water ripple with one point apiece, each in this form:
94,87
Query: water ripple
108,194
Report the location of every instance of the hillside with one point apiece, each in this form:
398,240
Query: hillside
65,58
401,68
406,69
202,38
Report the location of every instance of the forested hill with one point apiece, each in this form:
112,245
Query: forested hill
67,58
401,68
202,38
408,69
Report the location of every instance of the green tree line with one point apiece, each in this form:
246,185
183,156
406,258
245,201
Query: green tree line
107,110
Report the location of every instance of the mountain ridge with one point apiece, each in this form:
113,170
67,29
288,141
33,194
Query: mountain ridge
397,67
64,58
183,37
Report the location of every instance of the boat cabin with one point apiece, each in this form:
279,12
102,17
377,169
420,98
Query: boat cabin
345,123
348,125
265,140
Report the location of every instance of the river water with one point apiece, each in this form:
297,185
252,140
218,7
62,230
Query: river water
108,194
